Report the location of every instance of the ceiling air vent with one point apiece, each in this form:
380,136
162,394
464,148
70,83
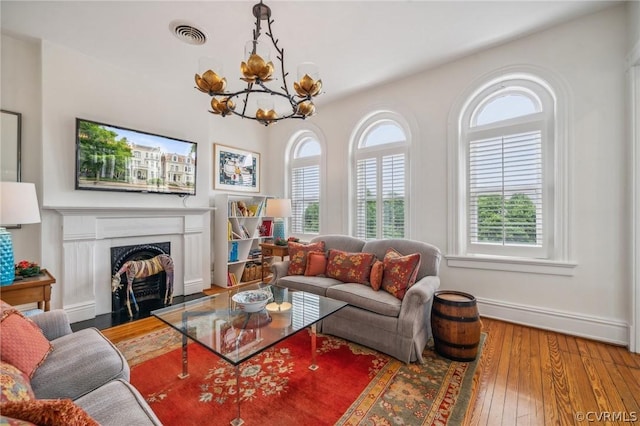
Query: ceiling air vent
188,33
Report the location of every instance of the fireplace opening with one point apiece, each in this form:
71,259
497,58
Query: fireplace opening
148,291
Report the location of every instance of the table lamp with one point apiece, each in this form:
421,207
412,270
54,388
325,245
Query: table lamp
18,205
278,209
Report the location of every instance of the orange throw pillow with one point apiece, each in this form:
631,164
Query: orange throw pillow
298,256
377,271
399,272
48,412
22,343
316,264
350,267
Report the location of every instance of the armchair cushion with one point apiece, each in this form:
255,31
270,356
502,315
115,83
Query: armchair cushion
85,354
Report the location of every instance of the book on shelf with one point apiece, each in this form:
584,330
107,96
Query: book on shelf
266,228
231,279
245,231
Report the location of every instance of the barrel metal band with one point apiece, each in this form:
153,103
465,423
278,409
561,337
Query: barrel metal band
456,345
452,318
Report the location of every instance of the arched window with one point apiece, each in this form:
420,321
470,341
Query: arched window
305,184
380,163
505,191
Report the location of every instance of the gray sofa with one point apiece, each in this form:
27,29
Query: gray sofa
400,328
86,367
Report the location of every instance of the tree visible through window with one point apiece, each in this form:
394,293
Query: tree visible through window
505,134
380,179
305,185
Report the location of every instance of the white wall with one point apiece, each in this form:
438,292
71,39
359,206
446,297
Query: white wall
21,93
587,55
633,26
62,84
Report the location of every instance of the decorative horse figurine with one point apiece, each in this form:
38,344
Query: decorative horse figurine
141,269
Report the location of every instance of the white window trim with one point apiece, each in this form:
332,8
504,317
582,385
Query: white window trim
357,153
559,263
309,131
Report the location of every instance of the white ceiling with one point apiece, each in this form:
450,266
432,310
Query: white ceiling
356,44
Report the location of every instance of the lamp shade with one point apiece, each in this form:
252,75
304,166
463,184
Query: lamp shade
18,203
278,207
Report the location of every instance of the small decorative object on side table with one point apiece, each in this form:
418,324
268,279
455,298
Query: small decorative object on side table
25,268
29,290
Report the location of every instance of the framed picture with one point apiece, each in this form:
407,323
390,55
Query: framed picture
11,127
235,169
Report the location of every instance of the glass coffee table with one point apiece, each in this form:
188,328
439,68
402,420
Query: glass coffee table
220,325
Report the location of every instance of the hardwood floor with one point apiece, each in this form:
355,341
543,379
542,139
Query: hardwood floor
528,376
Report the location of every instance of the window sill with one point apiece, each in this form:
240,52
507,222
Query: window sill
512,264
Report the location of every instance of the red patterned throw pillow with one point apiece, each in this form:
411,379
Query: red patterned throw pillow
298,256
350,267
14,384
22,343
399,272
316,264
48,412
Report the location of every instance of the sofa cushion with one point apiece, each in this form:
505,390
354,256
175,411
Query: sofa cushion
399,272
377,270
298,256
350,267
14,384
315,285
365,297
48,412
316,264
22,343
130,406
79,363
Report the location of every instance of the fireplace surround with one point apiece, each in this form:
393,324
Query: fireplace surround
83,266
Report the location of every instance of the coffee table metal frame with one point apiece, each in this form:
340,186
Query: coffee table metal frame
200,320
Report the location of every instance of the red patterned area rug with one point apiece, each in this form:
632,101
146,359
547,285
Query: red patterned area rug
353,386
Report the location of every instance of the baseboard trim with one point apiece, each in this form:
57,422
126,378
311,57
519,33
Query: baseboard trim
81,311
601,329
193,286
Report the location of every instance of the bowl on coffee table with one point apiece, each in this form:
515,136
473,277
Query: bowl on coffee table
252,300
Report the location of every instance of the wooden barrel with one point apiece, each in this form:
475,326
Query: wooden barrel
456,325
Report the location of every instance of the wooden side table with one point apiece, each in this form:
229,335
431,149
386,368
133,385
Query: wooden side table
269,251
29,290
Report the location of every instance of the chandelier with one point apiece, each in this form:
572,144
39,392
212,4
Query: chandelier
257,71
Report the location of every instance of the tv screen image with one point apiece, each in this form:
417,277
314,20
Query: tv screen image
112,158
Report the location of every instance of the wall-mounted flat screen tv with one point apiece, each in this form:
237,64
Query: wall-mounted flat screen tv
112,158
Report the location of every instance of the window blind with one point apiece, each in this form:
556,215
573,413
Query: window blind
393,187
305,199
366,198
505,190
380,192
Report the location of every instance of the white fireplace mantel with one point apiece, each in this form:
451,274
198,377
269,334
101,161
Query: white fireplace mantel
88,233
